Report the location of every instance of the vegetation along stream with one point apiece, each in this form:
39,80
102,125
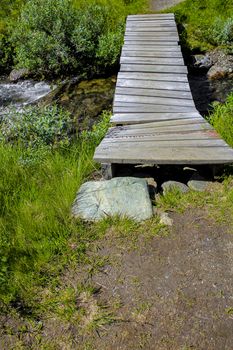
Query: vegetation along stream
116,284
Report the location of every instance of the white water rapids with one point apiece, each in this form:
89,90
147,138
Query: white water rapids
21,93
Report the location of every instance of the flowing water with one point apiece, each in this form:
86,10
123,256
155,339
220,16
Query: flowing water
21,93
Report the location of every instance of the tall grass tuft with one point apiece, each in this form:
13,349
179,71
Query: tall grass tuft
35,220
222,119
207,23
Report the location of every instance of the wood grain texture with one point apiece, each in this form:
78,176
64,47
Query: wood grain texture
152,33
151,43
153,68
131,108
189,118
169,41
141,27
182,78
153,100
151,54
154,93
151,48
151,17
154,104
141,118
153,85
135,154
152,60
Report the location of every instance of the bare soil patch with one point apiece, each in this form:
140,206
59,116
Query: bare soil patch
174,292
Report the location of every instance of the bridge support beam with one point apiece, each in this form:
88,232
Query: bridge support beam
108,170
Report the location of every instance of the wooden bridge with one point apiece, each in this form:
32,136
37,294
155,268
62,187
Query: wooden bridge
154,112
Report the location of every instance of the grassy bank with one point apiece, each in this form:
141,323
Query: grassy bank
222,119
208,23
40,173
37,187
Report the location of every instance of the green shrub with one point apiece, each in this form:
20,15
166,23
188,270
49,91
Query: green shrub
109,48
222,119
43,36
34,126
36,131
54,37
221,32
9,11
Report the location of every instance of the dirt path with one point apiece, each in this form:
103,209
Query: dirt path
147,289
158,5
174,292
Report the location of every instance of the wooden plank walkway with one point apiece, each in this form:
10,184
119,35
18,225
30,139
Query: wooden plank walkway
153,105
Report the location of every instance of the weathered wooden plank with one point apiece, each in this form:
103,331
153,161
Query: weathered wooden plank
160,137
153,85
152,17
131,108
151,39
149,23
151,43
155,53
153,68
154,93
149,47
155,24
151,33
147,143
141,118
153,60
190,155
154,97
187,135
166,77
153,100
153,129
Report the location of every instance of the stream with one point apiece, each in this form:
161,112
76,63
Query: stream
91,97
21,93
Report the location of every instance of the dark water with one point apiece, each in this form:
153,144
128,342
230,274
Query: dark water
205,92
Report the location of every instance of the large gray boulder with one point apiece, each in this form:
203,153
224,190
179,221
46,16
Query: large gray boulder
123,196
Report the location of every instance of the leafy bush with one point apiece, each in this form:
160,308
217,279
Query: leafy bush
61,36
221,32
9,11
43,36
33,127
109,47
54,37
222,119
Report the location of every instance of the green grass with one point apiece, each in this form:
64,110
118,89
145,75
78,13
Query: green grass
216,202
201,19
35,220
222,119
